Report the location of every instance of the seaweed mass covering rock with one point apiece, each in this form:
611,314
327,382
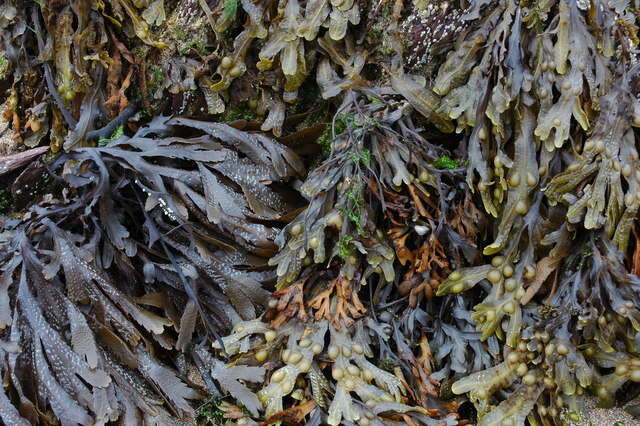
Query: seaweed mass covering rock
318,211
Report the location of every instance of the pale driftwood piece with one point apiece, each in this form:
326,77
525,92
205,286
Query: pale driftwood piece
12,162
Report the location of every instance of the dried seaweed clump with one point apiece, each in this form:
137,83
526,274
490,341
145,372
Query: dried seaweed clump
112,287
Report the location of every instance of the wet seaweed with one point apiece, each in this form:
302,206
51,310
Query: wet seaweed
318,211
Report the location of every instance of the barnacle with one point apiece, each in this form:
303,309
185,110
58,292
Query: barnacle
429,29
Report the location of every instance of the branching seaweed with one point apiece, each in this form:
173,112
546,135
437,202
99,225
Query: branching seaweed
466,230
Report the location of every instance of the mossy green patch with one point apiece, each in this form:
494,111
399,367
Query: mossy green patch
115,135
210,414
345,247
364,157
446,162
387,364
198,45
354,210
230,9
140,51
157,77
242,112
179,33
342,123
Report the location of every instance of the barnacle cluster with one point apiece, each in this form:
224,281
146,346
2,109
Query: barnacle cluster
429,27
